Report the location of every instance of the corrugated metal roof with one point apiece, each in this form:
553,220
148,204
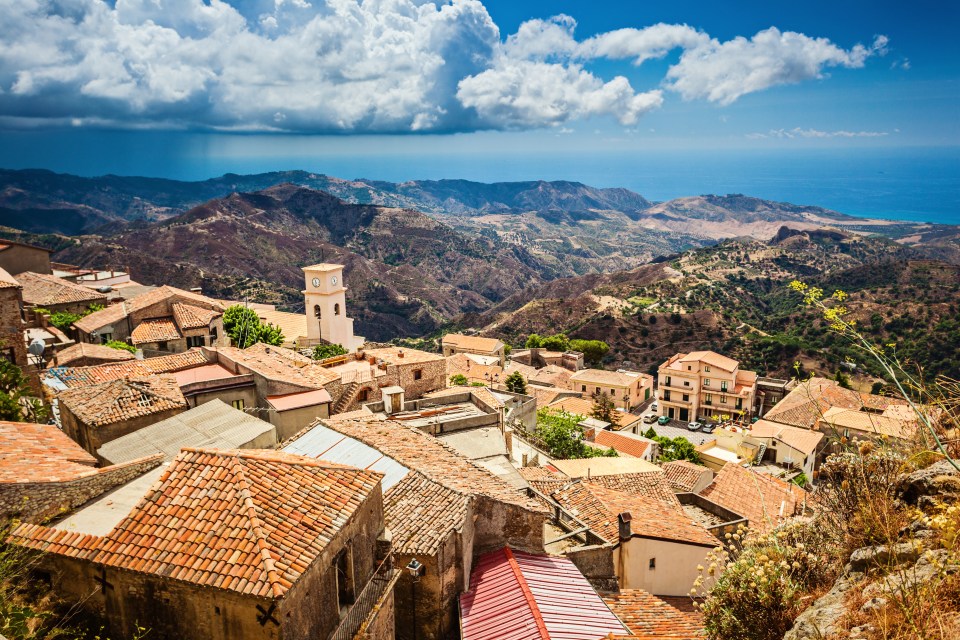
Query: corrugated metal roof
327,444
213,425
520,596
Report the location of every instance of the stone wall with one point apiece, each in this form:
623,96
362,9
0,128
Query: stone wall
433,376
18,258
92,438
38,501
500,524
595,562
11,326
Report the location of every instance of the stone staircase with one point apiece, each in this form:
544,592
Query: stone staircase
348,396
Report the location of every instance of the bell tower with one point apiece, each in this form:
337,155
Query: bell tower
326,306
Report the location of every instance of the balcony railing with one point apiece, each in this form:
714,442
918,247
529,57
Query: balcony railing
377,588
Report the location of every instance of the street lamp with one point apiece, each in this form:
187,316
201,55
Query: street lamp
415,568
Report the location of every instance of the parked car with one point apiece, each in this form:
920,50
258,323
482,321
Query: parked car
654,407
650,419
694,426
708,427
663,420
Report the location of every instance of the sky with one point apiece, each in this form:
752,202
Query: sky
191,88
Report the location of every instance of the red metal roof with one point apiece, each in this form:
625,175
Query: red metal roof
299,400
520,596
203,373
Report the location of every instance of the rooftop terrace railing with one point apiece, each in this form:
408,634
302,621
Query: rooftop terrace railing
369,600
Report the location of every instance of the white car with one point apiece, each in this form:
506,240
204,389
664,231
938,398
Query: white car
694,426
654,407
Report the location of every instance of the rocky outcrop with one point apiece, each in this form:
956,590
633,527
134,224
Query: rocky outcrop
821,618
938,482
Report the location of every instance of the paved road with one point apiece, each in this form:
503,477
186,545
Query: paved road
673,429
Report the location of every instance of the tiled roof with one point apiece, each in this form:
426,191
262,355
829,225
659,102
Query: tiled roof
809,400
84,351
544,395
473,343
764,500
651,618
683,475
625,443
251,522
521,596
553,375
284,365
803,440
584,407
868,422
433,458
155,330
543,480
601,377
300,400
7,281
712,359
653,484
188,316
460,363
117,312
599,507
402,355
73,377
46,290
40,453
118,400
604,466
421,513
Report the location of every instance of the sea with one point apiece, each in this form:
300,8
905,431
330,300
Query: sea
912,183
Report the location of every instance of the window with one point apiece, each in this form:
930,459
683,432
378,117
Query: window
195,341
583,388
162,346
686,398
723,385
237,404
739,403
316,310
666,395
343,565
667,381
105,338
686,383
653,563
417,374
213,334
336,309
708,399
707,369
706,382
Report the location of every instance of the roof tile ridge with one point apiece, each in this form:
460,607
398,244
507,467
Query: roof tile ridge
256,526
527,594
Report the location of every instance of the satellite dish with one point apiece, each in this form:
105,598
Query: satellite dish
36,347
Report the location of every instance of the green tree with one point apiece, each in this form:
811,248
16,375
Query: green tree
63,319
534,341
458,380
563,436
593,350
324,351
558,342
121,346
16,403
603,408
245,328
678,448
842,379
515,383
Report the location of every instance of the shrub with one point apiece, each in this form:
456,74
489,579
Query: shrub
245,328
122,346
515,383
458,380
562,434
324,351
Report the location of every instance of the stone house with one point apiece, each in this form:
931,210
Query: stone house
96,414
82,354
765,501
17,257
56,294
704,385
441,508
231,545
12,346
43,473
489,348
164,320
627,389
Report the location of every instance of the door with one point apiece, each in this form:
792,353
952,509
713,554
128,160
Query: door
684,415
670,411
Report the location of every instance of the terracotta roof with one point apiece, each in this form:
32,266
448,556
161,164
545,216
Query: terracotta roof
430,456
599,507
7,281
188,316
545,395
604,466
299,400
84,351
472,343
402,355
543,480
652,484
40,453
521,596
155,330
73,377
251,522
45,290
118,400
601,377
117,312
683,475
584,407
460,363
625,443
421,513
867,422
553,375
6,244
764,500
651,618
278,363
809,400
803,440
712,359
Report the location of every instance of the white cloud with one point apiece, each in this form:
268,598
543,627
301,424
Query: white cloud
722,72
798,132
357,66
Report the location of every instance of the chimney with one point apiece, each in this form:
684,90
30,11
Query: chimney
508,440
623,520
400,353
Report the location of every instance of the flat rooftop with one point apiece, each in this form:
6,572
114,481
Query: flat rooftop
438,415
101,515
702,516
722,454
203,373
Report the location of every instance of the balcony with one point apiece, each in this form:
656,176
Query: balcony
370,600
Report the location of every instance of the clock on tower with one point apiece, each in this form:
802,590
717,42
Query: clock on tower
326,307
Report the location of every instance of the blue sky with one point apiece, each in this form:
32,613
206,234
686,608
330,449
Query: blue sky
87,84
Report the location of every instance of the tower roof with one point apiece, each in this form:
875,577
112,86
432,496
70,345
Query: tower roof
324,266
